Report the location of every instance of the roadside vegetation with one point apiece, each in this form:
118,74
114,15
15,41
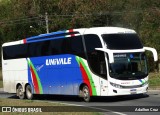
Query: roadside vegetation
154,81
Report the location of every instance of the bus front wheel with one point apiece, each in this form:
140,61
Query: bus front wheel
85,93
20,92
29,93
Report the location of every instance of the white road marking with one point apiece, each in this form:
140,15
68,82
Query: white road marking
105,110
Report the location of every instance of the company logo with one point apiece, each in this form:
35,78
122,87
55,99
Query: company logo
6,109
120,55
21,109
58,61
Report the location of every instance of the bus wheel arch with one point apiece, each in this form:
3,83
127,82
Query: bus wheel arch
20,91
84,92
28,91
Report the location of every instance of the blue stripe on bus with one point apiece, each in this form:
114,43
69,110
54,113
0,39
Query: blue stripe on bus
60,37
45,35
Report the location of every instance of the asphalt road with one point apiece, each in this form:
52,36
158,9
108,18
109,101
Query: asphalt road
124,104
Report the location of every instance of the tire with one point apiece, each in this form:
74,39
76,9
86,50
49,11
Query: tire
29,93
20,92
86,94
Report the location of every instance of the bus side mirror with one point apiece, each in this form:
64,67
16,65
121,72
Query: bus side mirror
110,54
155,55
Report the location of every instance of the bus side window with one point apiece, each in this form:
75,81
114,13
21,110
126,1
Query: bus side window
44,46
14,51
96,59
76,46
32,47
56,46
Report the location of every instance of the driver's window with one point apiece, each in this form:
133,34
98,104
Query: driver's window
96,59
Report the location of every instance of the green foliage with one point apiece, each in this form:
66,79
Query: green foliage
154,79
24,18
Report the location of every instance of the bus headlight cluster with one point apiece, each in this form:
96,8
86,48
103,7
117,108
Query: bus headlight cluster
116,85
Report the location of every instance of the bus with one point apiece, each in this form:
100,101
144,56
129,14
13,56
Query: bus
86,62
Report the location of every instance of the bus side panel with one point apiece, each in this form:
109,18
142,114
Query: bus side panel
59,74
14,71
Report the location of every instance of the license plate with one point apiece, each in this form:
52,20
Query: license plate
133,91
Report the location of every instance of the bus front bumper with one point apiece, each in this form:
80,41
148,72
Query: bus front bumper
130,91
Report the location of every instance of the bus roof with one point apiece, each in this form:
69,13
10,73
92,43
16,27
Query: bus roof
71,32
108,30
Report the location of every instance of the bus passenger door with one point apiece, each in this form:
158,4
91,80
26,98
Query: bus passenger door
103,87
103,79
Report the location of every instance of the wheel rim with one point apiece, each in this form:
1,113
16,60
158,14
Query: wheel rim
20,91
29,93
86,95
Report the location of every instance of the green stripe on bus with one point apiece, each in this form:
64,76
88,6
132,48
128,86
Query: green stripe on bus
77,59
90,77
37,77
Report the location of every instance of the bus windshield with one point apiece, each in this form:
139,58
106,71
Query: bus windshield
122,41
128,66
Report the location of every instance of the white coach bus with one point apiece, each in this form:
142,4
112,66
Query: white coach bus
99,61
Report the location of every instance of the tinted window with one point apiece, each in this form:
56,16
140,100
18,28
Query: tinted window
122,41
71,45
56,47
96,58
76,46
11,52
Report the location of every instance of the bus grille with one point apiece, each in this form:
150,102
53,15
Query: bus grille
135,86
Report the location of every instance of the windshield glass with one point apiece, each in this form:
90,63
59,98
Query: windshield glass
122,41
128,66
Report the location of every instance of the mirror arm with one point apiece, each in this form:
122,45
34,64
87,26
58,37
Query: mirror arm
155,55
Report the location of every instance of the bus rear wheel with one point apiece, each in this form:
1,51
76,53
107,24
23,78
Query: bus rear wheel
86,94
29,93
20,92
